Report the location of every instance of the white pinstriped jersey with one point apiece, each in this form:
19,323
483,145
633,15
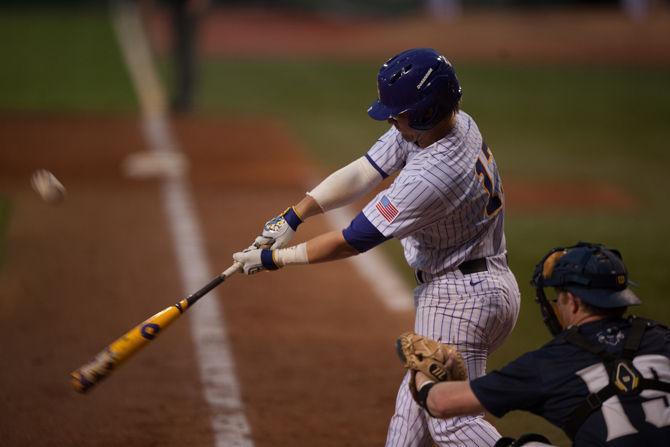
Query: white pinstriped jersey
445,205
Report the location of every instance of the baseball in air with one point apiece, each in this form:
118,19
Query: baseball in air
49,188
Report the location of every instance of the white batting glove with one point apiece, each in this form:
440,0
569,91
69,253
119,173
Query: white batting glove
278,231
255,260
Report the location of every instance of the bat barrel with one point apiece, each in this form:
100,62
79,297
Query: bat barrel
102,365
94,371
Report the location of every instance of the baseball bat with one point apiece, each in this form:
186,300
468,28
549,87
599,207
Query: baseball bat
117,352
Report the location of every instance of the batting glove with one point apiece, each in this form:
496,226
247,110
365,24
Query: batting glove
255,260
278,231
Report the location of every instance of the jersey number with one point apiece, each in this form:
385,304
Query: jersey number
485,170
656,408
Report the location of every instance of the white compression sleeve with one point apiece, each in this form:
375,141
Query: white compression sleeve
291,255
346,184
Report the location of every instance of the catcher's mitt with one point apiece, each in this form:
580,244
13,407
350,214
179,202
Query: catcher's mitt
439,361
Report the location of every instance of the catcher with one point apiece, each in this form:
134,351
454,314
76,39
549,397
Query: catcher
604,379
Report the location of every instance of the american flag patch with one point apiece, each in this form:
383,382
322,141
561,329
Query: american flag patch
386,209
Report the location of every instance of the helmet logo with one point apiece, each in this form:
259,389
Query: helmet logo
425,77
621,279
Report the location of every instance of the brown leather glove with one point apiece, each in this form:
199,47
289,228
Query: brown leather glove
441,362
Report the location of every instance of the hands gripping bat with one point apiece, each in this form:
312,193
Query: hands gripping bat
102,365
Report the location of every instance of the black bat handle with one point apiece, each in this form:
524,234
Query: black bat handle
213,283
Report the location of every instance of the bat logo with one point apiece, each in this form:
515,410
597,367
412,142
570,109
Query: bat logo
150,330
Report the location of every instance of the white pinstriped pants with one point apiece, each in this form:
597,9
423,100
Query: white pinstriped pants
474,312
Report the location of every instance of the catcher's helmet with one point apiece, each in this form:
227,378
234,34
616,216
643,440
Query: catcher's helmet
419,81
593,272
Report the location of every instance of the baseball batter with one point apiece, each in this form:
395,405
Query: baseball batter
446,206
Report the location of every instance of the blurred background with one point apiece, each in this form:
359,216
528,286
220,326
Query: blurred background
573,97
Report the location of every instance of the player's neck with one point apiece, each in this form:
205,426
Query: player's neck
442,129
583,319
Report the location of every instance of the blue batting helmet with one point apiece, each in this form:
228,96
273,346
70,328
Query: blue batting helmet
420,82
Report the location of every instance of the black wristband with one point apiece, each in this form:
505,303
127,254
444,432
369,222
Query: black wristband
422,396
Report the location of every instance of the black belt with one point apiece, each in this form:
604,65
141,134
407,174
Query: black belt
466,268
473,266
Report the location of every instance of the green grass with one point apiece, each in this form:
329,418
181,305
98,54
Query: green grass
61,61
324,102
544,117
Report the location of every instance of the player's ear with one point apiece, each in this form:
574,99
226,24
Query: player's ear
574,302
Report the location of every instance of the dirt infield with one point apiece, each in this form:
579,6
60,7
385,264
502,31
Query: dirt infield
78,275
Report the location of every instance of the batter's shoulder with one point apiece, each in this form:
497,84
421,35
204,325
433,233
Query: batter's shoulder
467,121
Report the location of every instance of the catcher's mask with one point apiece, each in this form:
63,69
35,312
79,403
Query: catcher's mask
594,273
420,82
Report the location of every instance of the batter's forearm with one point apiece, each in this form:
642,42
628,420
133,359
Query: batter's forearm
449,399
307,208
329,247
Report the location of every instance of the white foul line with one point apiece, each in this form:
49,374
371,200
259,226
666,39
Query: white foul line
215,361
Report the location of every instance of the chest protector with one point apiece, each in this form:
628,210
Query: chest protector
625,379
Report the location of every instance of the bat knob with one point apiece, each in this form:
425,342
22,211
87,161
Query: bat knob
79,382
